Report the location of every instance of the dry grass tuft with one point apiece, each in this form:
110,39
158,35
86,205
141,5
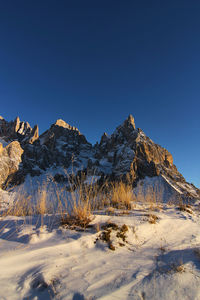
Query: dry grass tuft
179,268
21,208
97,227
121,195
80,216
152,219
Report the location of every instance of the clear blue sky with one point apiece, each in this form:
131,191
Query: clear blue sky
92,63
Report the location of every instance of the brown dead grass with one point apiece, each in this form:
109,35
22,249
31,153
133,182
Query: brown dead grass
121,195
152,219
80,216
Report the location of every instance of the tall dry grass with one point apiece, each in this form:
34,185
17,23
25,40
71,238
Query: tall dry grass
82,199
78,198
121,195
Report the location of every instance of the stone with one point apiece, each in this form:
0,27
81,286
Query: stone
34,135
10,159
63,124
16,124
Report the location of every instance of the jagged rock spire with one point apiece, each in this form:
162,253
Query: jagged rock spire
34,134
16,124
104,138
130,122
127,128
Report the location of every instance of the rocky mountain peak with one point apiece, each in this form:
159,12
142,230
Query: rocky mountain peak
126,152
104,138
126,131
18,131
130,122
20,127
63,124
34,135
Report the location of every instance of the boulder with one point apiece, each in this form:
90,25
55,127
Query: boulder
10,159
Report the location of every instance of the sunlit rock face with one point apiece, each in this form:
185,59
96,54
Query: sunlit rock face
10,159
17,130
127,153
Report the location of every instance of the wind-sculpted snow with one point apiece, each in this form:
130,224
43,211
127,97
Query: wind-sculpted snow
42,260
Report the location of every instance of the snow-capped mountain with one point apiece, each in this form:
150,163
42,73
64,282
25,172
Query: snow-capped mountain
128,152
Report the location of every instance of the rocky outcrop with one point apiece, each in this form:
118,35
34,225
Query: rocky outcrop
129,151
17,130
10,159
65,144
34,135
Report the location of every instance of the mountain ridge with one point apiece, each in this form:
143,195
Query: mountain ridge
126,152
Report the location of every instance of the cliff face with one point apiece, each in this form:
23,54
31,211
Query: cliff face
10,159
128,151
17,130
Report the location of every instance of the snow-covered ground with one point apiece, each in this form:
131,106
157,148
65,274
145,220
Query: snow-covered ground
153,259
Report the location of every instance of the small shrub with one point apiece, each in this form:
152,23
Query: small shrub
120,232
110,225
111,247
80,216
179,268
124,228
162,249
152,219
105,236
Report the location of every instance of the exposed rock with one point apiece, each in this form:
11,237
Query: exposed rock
16,130
130,151
130,122
10,159
127,153
34,135
63,124
16,125
104,138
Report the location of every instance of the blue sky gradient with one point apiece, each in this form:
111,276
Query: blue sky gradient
92,63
